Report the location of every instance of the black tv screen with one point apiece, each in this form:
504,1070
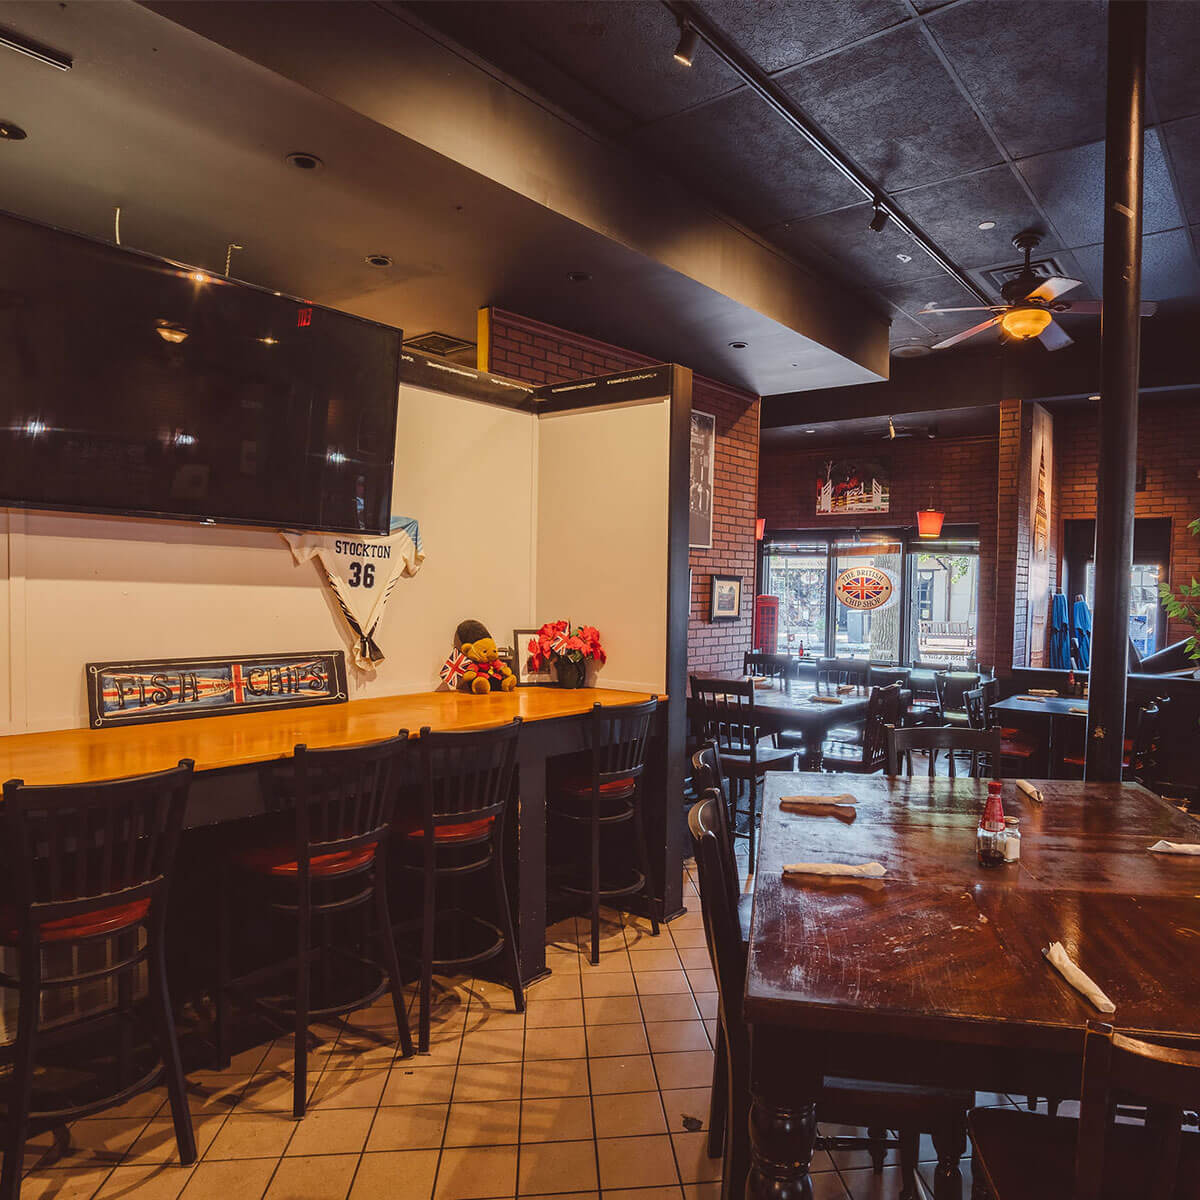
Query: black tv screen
133,385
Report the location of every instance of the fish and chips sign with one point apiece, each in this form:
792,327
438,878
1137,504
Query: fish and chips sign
173,689
863,588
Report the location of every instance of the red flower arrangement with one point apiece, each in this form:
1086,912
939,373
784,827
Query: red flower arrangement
556,640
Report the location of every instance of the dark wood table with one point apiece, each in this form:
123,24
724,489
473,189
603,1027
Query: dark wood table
1048,714
934,973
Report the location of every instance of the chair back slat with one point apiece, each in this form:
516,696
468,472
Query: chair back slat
883,709
726,712
710,782
78,848
977,709
618,735
982,745
467,777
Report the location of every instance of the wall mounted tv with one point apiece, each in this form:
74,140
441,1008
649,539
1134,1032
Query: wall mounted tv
137,386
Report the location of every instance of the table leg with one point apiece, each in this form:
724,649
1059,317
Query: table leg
530,885
783,1125
950,1142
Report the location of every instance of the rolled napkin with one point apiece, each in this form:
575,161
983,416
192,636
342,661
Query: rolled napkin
826,699
1033,793
1060,960
844,799
819,804
1031,697
1164,847
1043,691
871,870
1076,709
845,689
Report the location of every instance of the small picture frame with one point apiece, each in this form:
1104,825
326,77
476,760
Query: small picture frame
526,675
726,602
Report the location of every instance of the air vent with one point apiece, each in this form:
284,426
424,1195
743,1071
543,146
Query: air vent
441,344
1043,268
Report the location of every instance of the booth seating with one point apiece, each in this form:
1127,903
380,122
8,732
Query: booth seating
338,803
1140,759
87,864
605,792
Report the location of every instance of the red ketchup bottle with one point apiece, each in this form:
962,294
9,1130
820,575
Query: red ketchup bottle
991,835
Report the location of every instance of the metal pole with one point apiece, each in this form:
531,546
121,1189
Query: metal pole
1120,347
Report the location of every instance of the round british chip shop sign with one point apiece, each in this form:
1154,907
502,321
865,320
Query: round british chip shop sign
863,588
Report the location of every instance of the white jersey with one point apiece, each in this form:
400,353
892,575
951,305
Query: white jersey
361,570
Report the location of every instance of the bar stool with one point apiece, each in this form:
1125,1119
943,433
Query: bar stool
87,862
339,802
468,781
606,793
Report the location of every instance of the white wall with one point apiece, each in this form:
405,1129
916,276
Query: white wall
602,533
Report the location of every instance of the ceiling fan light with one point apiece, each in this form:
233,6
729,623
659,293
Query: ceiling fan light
1025,322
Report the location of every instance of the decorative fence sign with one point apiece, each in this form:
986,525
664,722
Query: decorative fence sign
173,689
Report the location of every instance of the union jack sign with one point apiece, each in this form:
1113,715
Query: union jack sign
863,588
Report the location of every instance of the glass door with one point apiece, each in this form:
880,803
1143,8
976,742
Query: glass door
799,575
944,602
867,594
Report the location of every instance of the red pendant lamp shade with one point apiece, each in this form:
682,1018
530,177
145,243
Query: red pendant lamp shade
760,527
929,520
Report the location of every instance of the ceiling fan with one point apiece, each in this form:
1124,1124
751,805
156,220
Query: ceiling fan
1031,301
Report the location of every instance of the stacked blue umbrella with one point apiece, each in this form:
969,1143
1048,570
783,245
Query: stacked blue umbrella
1082,620
1060,633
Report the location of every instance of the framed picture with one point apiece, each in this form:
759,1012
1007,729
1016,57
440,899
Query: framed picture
726,602
848,486
700,493
526,675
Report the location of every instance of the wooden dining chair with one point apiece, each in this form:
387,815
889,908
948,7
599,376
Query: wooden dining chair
1016,750
770,666
952,688
911,1109
1032,1156
983,745
885,707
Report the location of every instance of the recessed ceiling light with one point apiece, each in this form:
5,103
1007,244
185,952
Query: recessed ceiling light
738,345
1095,396
904,257
268,341
810,431
987,224
171,332
11,133
303,161
578,276
197,277
378,260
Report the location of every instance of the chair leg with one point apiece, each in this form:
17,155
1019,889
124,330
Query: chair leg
303,977
910,1152
752,828
719,1101
595,879
736,1166
504,910
877,1148
428,917
168,1040
20,1084
222,998
642,851
387,947
950,1142
125,1009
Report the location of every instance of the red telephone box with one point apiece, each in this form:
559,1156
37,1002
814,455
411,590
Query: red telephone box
766,623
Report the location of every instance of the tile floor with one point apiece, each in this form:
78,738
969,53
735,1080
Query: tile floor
601,1089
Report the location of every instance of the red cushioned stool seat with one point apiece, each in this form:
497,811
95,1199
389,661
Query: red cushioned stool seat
93,924
613,789
464,832
281,861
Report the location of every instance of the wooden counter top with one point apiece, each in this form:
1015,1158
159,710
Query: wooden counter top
243,739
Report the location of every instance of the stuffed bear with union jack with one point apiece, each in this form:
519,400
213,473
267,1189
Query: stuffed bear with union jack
475,665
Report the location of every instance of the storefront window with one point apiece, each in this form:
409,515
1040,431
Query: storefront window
868,594
799,576
945,596
1143,604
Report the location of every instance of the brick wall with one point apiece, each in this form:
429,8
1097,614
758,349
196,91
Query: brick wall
963,472
538,353
1168,448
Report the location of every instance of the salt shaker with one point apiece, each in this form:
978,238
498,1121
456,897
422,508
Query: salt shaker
1012,839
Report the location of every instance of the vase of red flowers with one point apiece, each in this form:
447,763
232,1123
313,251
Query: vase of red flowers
568,650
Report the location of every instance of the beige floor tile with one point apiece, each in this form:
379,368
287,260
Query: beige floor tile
320,1177
695,958
556,1077
613,959
611,1010
628,1114
356,1088
505,1045
487,1123
691,1153
161,1181
603,1041
692,919
408,1085
636,1162
661,983
553,1014
244,1063
654,959
701,979
609,983
75,1183
556,1167
688,1069
559,986
443,1051
654,1193
331,1131
702,1191
144,1105
692,1103
689,938
707,1003
626,1073
676,1035
214,1094
676,1006
156,1143
489,1081
488,1014
397,1175
477,1171
252,1136
543,1044
567,1195
561,1119
100,1140
271,1091
408,1127
247,1180
496,992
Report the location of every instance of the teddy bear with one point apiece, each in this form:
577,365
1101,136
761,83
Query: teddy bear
485,670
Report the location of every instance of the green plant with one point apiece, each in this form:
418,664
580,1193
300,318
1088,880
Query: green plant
1184,607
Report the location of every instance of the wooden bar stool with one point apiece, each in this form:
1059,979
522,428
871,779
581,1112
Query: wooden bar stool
606,793
340,803
468,783
85,863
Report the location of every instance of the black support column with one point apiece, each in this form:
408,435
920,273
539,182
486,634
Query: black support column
1120,348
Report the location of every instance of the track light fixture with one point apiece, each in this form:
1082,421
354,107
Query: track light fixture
688,40
880,219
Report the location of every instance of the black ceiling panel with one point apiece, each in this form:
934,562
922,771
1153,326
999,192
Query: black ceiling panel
1169,270
1172,58
748,161
890,105
1034,67
939,291
1064,260
1183,141
924,6
1070,186
950,212
781,33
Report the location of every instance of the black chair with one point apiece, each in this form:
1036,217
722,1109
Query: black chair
333,810
982,745
952,687
727,717
1032,1156
770,666
1141,757
90,864
605,793
878,1106
706,770
885,707
925,707
1016,750
882,675
468,785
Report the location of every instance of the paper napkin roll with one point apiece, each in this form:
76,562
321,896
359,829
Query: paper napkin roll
844,800
1031,697
1164,847
1029,790
1043,691
1060,960
826,699
844,689
871,870
1076,709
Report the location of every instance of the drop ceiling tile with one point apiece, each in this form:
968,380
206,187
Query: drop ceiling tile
1183,142
1169,270
1172,54
748,161
950,212
936,292
1035,69
889,104
781,33
1070,186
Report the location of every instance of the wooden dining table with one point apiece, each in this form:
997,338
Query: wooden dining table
1047,715
934,972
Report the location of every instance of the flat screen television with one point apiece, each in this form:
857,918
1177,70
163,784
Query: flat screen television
133,385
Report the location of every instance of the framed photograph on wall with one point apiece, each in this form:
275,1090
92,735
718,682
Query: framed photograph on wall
700,493
526,675
726,603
